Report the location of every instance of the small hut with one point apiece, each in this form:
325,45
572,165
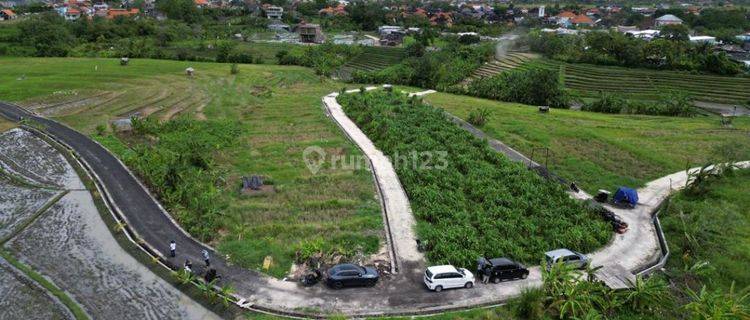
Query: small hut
190,71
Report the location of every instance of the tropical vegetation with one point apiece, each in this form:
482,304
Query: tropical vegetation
469,200
614,48
437,69
533,86
673,103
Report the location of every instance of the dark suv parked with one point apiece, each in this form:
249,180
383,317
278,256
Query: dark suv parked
504,269
349,275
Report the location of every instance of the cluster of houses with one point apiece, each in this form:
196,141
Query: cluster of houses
76,9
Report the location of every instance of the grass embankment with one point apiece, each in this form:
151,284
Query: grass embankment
278,109
601,151
589,80
470,201
709,234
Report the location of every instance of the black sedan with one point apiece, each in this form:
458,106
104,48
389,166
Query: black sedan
350,275
505,269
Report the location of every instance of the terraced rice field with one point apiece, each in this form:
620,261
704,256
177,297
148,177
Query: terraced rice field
373,59
510,61
279,108
589,80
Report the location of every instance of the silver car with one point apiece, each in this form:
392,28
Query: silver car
566,256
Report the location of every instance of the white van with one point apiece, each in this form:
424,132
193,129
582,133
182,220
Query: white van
438,278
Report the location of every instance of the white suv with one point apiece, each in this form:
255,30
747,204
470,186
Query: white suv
444,277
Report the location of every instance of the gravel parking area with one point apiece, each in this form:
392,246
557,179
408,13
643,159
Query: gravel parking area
22,299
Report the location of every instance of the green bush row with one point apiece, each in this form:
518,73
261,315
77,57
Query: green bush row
676,104
479,203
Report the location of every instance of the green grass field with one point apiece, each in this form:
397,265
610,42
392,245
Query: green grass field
588,80
280,110
601,151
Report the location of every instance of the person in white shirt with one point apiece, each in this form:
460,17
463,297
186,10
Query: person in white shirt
172,248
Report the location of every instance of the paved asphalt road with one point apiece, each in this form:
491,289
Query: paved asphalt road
397,294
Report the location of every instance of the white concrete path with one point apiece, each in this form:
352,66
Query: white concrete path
639,248
395,202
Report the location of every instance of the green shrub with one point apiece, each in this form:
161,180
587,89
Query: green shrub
234,69
673,103
180,169
480,203
479,116
534,86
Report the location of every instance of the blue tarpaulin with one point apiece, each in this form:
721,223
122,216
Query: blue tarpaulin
626,196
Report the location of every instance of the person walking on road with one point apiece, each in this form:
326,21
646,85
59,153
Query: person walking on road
172,248
188,266
206,258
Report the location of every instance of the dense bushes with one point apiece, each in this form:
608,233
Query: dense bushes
324,58
481,203
674,104
177,164
534,86
614,48
434,69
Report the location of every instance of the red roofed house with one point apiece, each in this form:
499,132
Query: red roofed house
72,14
201,3
339,10
442,18
582,21
113,13
7,14
566,14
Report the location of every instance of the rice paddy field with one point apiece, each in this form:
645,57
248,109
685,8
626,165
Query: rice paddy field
279,108
643,84
511,61
373,59
602,151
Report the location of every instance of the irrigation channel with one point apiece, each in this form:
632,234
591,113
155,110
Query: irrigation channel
402,293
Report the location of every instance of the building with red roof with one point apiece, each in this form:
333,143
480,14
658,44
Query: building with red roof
114,13
582,21
7,14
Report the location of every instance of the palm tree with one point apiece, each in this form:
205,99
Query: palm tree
646,294
717,305
184,276
226,293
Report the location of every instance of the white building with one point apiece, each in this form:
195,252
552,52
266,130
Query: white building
274,12
643,34
703,39
667,19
